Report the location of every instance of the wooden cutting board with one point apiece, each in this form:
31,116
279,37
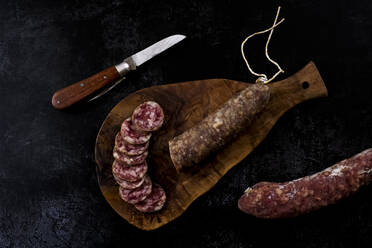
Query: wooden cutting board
185,104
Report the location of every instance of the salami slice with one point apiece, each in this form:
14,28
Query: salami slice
154,202
130,160
129,149
129,173
129,185
218,128
148,116
131,135
136,195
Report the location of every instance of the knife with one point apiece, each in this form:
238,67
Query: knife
66,97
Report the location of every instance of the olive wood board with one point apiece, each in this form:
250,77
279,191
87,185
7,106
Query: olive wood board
185,104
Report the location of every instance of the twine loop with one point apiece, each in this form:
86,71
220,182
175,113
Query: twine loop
262,78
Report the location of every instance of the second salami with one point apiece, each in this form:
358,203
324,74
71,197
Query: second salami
281,200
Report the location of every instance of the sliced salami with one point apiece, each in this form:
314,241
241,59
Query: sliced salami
136,195
154,202
130,160
129,185
129,173
129,149
148,116
131,135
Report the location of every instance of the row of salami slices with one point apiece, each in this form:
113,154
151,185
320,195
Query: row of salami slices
131,149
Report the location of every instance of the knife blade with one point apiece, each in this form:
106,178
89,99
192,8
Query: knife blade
72,94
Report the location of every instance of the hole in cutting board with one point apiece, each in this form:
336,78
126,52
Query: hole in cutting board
305,85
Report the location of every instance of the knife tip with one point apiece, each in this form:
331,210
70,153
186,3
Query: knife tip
180,36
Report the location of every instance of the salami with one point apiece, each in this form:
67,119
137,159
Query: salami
129,185
130,160
132,136
154,202
289,199
128,148
136,195
218,128
148,116
129,173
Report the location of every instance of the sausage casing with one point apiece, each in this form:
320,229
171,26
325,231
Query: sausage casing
280,200
218,128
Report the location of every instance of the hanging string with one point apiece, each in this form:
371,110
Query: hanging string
262,77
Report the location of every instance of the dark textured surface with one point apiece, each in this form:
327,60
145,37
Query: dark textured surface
49,193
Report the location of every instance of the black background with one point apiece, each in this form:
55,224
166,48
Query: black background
49,196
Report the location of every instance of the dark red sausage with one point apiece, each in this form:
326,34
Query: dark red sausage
280,200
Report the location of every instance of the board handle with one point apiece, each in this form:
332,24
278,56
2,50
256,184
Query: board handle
72,94
304,85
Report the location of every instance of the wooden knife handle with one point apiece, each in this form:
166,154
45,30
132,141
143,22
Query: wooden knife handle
65,97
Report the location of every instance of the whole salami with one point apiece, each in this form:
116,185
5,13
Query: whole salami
148,116
218,128
289,199
136,195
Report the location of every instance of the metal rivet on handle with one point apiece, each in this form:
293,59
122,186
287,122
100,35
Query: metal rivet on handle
58,102
81,85
104,77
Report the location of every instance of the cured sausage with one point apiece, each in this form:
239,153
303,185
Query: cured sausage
131,135
218,128
129,173
128,148
306,194
130,160
136,195
148,116
129,185
154,202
